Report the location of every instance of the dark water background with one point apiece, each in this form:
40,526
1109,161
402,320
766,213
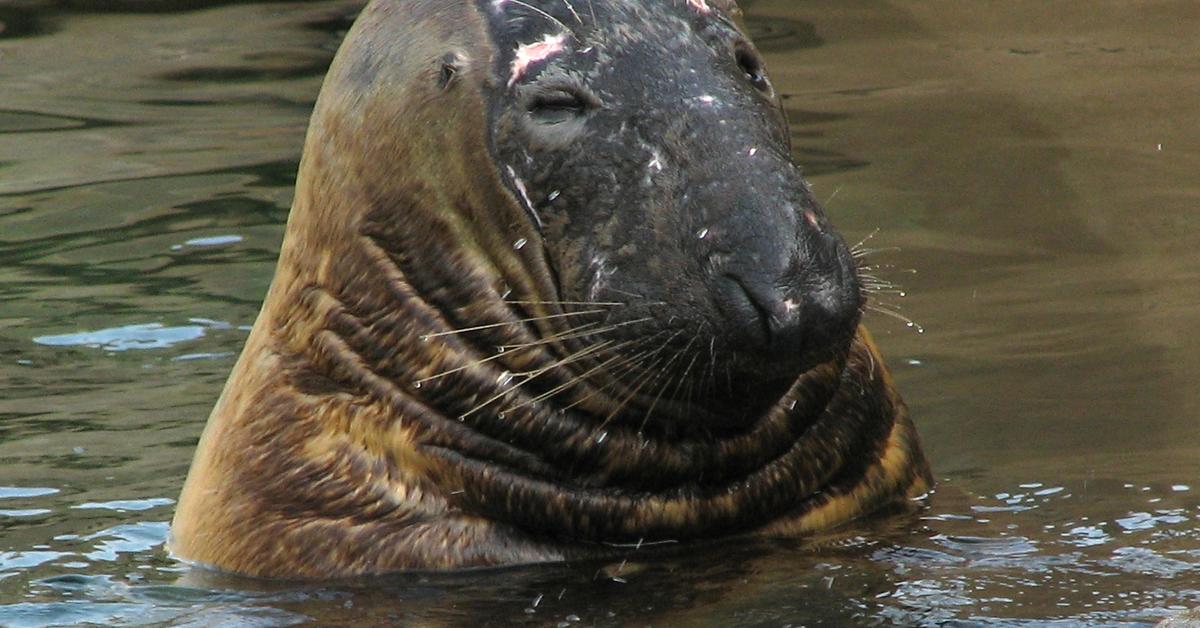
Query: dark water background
1037,164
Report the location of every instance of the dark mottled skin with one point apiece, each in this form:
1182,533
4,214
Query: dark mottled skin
619,213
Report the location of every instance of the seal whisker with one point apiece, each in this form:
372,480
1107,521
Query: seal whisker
572,10
859,253
588,350
859,245
634,363
692,383
624,360
667,382
871,285
572,381
577,332
648,375
888,311
712,361
629,361
595,303
458,369
683,377
547,16
624,292
503,324
535,374
651,374
610,345
581,330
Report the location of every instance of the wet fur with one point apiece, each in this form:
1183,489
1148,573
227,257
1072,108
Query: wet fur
362,431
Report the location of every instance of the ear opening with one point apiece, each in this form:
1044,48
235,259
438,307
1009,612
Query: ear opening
451,65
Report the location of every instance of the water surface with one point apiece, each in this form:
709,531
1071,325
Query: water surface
1034,163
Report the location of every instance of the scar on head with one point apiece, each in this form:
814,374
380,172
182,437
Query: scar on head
520,185
531,53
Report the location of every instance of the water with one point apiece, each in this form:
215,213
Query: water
1033,162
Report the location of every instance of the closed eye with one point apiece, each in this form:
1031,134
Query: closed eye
556,104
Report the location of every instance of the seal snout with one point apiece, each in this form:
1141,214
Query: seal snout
795,312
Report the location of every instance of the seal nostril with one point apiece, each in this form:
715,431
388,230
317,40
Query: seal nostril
777,323
749,312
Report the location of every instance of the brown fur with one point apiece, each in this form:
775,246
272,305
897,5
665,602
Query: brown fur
323,457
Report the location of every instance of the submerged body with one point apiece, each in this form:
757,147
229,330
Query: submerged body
551,282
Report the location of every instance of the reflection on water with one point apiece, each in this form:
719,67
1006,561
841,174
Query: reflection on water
1033,164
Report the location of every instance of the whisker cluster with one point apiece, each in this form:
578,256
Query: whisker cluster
873,285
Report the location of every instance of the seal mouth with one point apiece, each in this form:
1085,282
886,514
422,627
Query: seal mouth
637,371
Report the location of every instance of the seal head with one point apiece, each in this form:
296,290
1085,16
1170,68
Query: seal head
650,147
550,282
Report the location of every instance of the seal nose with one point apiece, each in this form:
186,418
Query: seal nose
783,323
794,313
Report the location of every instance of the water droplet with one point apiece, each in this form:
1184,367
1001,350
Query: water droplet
753,152
553,195
520,244
416,384
601,437
703,233
504,378
501,349
792,405
500,415
903,294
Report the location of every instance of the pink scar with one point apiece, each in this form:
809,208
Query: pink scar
529,54
700,5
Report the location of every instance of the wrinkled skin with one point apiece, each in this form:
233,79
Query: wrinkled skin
649,144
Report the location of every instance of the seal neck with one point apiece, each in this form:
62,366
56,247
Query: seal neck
503,434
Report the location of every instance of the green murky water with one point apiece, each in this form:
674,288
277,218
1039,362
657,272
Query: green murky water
1035,163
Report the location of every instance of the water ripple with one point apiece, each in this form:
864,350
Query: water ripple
134,337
